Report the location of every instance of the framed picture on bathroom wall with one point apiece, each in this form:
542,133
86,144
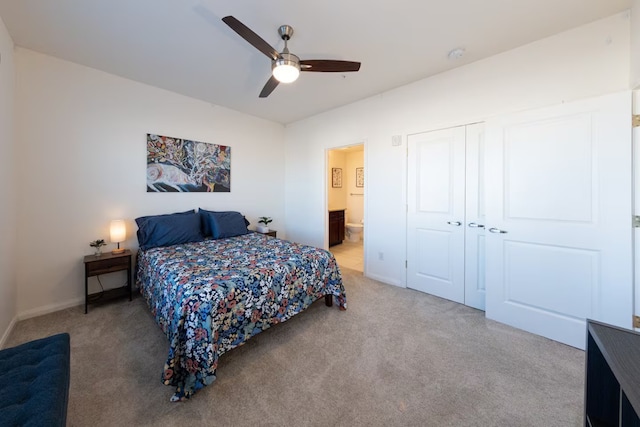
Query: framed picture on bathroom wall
336,177
359,177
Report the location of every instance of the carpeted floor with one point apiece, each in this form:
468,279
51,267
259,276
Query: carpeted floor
396,357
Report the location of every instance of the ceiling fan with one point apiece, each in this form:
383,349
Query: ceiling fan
286,66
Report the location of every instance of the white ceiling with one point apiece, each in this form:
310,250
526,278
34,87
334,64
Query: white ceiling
183,46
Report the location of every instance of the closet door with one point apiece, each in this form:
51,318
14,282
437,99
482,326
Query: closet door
435,213
558,224
474,269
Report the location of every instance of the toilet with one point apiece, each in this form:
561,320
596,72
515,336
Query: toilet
354,231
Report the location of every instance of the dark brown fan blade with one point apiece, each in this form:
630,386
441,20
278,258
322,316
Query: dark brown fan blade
328,65
271,84
254,39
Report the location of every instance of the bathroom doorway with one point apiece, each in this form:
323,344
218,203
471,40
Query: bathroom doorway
345,202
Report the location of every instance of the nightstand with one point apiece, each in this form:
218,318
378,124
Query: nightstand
271,233
105,264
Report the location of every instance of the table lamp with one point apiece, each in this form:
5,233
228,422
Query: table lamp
118,233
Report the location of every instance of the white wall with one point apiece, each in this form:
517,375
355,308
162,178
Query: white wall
635,44
586,61
82,154
8,183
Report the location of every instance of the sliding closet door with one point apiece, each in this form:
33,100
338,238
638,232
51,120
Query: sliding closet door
558,226
435,214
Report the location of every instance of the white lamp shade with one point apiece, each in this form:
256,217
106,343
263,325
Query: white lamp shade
286,73
118,231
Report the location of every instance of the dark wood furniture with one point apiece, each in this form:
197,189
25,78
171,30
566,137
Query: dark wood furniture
336,227
105,264
612,383
271,233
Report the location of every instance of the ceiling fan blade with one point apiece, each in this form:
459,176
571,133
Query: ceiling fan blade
253,39
328,65
271,84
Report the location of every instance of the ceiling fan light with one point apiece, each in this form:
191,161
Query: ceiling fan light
286,69
286,73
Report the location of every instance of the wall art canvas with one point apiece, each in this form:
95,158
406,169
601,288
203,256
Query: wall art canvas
336,177
182,165
359,177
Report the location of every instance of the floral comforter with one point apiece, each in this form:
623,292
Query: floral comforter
212,296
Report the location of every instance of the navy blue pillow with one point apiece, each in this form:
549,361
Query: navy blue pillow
206,217
143,219
167,230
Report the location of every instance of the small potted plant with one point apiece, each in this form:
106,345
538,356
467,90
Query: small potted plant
97,244
265,220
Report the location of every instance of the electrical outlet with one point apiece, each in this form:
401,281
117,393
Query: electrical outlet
380,256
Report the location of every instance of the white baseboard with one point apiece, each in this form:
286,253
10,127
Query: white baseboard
6,334
39,311
387,280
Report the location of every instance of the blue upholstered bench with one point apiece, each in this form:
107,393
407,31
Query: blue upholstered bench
34,383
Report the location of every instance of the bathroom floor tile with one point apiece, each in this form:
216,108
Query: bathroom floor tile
349,255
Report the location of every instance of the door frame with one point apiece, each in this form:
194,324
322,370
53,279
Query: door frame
635,203
325,192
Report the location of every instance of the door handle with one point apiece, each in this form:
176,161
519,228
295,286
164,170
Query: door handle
456,223
497,230
474,225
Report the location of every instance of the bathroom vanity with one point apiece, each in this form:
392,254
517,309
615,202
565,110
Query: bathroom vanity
336,226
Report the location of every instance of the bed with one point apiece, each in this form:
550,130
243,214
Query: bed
211,295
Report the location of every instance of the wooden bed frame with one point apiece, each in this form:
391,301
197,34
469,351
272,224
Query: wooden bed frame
328,300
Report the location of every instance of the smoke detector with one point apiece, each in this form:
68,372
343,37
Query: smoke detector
456,53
